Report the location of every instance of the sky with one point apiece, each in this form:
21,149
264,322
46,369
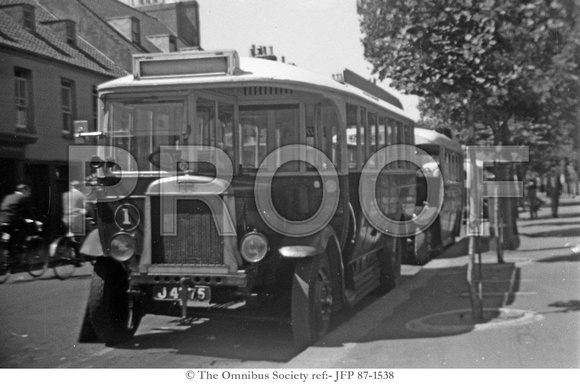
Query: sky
322,36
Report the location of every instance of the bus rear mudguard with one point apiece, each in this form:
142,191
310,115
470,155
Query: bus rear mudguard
305,247
324,241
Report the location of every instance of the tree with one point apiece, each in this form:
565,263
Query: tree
498,71
505,68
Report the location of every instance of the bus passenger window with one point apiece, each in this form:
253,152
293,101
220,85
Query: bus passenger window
225,129
253,126
391,133
382,135
372,134
206,121
330,140
266,128
362,145
322,130
352,135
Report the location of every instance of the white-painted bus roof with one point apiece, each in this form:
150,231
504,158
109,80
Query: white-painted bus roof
427,136
253,72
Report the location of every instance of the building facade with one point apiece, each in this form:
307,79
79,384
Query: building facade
53,54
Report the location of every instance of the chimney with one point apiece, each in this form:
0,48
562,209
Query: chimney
182,18
23,14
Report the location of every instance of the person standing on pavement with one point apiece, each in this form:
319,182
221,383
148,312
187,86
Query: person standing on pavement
534,202
73,208
554,190
572,180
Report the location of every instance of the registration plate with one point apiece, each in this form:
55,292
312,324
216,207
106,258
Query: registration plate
173,293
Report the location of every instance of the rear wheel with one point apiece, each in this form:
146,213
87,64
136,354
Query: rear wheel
394,253
5,269
36,256
422,247
109,312
65,259
312,300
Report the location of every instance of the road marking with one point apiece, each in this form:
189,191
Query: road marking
508,281
102,352
503,294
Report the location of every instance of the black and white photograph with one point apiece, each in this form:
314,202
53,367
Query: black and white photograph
307,191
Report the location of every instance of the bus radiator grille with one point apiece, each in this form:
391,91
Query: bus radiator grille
197,241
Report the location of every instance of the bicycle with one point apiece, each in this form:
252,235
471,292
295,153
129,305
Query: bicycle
30,252
65,255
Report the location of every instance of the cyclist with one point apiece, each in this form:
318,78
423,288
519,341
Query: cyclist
16,214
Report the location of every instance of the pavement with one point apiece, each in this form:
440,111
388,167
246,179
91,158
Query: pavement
531,306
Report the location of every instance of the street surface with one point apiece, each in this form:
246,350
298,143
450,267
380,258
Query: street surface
408,328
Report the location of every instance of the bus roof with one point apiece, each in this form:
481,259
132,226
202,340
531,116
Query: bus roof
256,72
427,136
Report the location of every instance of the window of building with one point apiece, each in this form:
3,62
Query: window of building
135,31
172,44
22,98
28,18
71,33
67,93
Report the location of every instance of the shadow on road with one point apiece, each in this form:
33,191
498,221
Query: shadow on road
562,233
461,248
221,337
572,257
569,306
232,337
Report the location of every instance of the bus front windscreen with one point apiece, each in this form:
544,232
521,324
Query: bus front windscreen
141,127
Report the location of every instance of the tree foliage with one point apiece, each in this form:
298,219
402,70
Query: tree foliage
497,71
483,65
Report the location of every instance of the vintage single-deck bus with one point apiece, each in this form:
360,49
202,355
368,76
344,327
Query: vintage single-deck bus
227,181
447,163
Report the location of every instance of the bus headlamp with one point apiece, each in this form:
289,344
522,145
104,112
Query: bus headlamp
254,247
122,247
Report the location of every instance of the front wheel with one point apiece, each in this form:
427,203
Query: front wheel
36,256
110,316
312,300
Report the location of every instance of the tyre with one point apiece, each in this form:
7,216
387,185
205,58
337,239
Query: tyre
393,254
110,316
312,301
36,256
65,259
87,333
5,269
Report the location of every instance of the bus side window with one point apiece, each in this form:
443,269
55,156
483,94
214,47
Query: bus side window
313,125
352,134
391,132
225,129
330,140
362,144
400,140
372,134
382,135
